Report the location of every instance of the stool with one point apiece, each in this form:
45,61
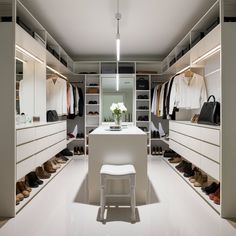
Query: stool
118,172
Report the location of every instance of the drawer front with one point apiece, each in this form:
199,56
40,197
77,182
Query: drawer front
204,134
46,154
208,166
25,167
25,150
209,150
211,168
50,129
188,154
25,135
49,141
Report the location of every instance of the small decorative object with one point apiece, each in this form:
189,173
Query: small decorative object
117,110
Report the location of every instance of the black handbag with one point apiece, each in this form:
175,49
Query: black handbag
142,84
52,116
210,112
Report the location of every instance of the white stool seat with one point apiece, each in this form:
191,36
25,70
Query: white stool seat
117,170
112,172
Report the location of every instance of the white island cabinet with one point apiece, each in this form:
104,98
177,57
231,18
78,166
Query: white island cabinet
128,146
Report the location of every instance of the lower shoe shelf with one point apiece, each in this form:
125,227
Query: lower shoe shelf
216,207
35,191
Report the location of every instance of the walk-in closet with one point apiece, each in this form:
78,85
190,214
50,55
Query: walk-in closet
117,117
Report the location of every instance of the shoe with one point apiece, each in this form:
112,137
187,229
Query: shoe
81,151
157,151
181,164
59,160
75,150
55,165
41,173
32,179
216,198
66,152
27,187
153,151
20,186
170,153
160,151
175,160
49,167
19,195
188,171
184,167
216,193
195,177
200,181
211,188
59,155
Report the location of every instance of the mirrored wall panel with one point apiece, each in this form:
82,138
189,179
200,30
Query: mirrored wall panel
115,90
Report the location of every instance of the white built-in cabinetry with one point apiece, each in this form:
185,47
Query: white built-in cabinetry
35,144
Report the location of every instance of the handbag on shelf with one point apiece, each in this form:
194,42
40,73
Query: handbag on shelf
142,84
210,112
52,116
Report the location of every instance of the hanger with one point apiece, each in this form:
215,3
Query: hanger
188,73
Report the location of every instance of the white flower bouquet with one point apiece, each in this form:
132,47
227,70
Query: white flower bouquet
117,109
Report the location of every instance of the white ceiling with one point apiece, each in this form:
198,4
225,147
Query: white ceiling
149,28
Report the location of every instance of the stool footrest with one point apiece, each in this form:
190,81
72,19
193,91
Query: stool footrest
117,195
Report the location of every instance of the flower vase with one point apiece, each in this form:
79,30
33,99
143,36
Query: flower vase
117,119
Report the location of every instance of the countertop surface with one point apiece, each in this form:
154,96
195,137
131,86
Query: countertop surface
125,130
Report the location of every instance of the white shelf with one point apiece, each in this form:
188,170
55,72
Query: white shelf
35,191
92,104
142,121
198,190
95,116
142,100
92,94
73,139
91,86
142,110
145,91
160,139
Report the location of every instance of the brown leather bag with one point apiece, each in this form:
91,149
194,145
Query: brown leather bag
92,90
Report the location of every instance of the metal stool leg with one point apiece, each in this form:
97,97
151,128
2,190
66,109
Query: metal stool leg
133,200
102,198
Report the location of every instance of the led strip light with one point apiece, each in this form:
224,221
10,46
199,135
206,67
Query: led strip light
20,49
56,72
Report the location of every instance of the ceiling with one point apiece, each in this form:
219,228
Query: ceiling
86,29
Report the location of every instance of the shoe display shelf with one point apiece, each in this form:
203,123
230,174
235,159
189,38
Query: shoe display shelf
35,191
143,107
92,105
198,190
74,139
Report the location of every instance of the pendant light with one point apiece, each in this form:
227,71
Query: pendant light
118,17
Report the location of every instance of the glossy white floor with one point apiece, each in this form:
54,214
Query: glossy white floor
59,209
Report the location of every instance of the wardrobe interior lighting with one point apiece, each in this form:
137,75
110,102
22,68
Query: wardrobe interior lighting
181,71
56,72
117,82
208,54
117,48
21,60
118,17
22,50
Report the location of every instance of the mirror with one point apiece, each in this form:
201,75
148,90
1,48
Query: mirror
25,87
19,78
124,94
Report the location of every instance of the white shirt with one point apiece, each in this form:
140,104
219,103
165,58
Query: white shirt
56,95
187,93
71,110
154,101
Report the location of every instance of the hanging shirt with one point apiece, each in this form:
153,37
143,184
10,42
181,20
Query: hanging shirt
187,93
56,95
71,105
154,100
